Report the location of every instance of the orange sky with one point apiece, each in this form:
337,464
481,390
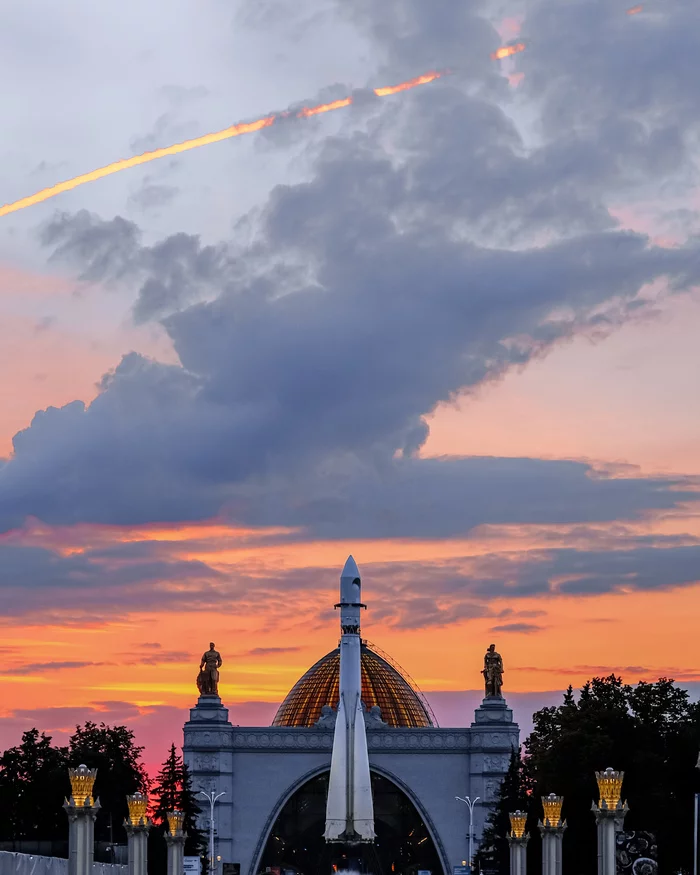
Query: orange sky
583,401
580,635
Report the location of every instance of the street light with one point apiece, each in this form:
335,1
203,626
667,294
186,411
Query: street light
695,827
471,803
212,798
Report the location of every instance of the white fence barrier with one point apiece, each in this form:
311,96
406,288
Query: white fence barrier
32,864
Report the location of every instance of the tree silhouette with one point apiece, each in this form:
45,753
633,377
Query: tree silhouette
172,789
112,751
33,785
650,731
513,795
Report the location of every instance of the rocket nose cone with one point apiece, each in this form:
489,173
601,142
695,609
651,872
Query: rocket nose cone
350,570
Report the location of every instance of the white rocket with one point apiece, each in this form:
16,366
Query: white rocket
349,809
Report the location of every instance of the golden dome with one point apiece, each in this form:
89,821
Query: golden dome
383,684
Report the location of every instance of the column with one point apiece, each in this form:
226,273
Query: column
82,810
552,829
609,817
518,840
494,736
208,752
137,826
175,840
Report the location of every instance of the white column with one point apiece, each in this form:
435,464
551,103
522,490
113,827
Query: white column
176,853
552,848
609,822
81,836
175,840
518,854
137,837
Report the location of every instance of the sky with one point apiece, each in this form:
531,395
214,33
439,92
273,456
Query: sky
452,331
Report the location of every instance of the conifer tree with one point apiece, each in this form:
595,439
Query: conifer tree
172,789
513,795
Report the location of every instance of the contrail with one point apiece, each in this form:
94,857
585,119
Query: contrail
507,51
207,139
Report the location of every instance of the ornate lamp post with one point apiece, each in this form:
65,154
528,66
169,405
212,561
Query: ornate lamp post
82,810
695,826
137,825
518,839
212,798
470,803
609,817
175,840
552,828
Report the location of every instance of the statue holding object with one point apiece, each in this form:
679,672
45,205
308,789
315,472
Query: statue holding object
493,673
208,678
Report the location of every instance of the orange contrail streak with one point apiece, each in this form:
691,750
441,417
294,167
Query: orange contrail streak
507,51
207,139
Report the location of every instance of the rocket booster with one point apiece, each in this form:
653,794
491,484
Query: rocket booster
349,809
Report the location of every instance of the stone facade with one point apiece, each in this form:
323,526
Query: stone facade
259,768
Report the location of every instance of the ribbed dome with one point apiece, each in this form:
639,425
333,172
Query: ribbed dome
383,684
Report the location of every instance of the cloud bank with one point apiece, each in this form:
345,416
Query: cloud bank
433,248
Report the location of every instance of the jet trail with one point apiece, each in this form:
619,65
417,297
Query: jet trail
205,140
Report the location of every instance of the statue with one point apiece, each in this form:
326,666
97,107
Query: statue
208,679
493,673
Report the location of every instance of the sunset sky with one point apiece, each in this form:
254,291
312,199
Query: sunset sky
453,332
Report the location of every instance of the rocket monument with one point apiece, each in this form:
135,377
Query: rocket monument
349,809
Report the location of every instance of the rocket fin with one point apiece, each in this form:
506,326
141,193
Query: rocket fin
337,803
363,807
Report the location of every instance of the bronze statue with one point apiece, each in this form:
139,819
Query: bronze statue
208,679
493,672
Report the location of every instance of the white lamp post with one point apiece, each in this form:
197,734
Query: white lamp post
470,803
695,827
212,798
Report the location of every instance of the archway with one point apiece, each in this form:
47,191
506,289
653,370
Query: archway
295,845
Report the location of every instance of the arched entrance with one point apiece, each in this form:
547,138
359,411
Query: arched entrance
296,845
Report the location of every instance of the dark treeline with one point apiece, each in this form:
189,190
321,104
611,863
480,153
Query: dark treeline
650,731
34,783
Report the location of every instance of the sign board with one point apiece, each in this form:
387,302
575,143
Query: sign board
193,865
231,869
424,872
461,870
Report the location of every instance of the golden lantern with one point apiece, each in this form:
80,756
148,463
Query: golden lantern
82,780
552,805
610,787
517,823
176,820
138,805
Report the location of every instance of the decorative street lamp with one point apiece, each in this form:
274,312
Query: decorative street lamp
695,826
609,817
212,798
137,825
518,840
470,803
175,841
81,808
552,829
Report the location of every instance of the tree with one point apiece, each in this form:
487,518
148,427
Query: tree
172,789
650,732
112,751
513,795
33,785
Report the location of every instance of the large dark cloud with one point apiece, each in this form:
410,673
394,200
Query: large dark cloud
430,251
591,65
